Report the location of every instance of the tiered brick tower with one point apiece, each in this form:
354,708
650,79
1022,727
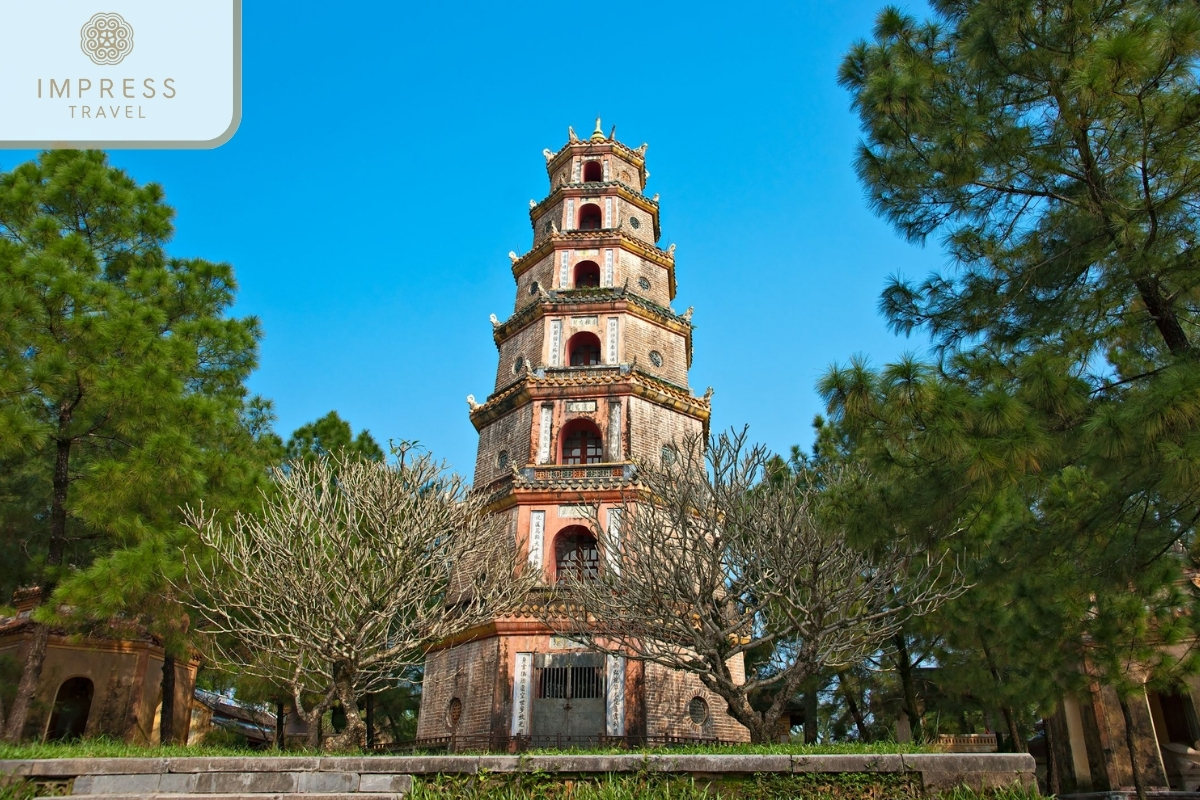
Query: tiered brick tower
593,375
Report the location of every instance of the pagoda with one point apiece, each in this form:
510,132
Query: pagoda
592,377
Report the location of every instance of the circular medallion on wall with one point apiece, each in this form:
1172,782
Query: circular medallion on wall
698,710
656,358
533,287
635,222
644,283
454,712
549,226
502,459
518,365
669,455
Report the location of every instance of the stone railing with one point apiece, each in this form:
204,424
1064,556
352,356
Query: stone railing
391,776
564,473
967,743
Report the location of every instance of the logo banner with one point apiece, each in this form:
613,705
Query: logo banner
120,73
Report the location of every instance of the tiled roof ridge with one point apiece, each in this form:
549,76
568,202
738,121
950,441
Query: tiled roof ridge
591,295
636,153
596,376
524,262
533,211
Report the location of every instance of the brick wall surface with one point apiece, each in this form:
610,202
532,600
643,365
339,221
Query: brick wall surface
467,672
640,337
652,426
528,343
543,273
625,212
510,433
669,694
631,268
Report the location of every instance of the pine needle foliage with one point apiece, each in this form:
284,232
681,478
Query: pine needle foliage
1054,149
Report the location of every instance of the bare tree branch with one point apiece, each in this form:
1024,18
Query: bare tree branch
715,558
351,572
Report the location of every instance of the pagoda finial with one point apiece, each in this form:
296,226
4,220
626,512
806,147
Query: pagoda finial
598,134
571,134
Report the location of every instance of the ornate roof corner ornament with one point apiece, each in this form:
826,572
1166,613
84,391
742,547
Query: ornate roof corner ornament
532,205
671,250
655,198
708,393
612,135
571,134
688,314
513,257
598,134
553,226
471,404
548,154
495,321
646,172
642,149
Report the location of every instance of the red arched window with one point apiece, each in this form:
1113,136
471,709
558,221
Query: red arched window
587,273
576,555
590,218
593,172
583,350
581,443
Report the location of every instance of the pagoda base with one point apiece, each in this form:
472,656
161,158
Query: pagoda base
516,685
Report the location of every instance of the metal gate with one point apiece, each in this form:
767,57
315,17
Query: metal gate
568,701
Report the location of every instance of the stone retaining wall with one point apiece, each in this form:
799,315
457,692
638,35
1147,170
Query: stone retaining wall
388,776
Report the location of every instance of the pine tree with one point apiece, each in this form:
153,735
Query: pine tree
121,377
331,435
1055,149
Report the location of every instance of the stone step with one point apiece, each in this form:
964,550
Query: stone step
244,796
257,784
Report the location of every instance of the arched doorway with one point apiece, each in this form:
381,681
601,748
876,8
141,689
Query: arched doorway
583,349
587,273
72,705
576,555
590,217
581,443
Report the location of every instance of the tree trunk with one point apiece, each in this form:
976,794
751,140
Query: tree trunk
852,704
904,667
355,733
30,676
370,721
1019,744
760,726
1163,315
166,719
810,715
312,718
1053,778
1138,781
280,725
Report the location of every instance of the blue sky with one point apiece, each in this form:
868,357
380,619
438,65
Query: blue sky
388,151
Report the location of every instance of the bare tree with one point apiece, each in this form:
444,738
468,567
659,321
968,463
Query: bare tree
350,573
711,560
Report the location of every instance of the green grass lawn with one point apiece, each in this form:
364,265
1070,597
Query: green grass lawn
109,748
657,787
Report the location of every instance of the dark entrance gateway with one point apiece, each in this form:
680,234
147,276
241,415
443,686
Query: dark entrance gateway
568,704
